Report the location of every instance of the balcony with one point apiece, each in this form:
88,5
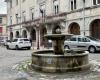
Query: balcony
45,20
56,18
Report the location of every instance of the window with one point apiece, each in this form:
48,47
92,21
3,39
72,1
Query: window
11,20
0,20
15,40
73,39
92,38
32,13
23,16
16,18
79,39
42,10
10,3
98,1
95,2
26,40
16,2
56,6
83,40
73,4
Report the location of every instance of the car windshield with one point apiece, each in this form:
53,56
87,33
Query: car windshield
92,38
24,40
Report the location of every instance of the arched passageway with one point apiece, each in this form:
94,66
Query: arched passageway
95,28
24,34
11,36
17,34
33,35
74,28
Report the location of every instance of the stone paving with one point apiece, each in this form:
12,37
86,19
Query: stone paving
10,58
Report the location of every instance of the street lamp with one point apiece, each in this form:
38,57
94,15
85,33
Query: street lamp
19,18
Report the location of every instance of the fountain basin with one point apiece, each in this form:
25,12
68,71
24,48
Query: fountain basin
47,61
58,36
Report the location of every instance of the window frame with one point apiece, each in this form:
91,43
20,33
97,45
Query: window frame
42,9
95,2
56,6
1,19
16,2
24,16
31,11
73,5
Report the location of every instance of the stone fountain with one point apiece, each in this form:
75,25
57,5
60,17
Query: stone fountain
58,60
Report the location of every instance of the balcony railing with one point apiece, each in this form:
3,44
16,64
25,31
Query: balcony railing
42,20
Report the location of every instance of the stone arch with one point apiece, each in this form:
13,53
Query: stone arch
11,36
24,34
74,28
95,28
33,34
17,34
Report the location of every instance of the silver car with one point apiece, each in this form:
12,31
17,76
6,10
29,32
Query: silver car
83,43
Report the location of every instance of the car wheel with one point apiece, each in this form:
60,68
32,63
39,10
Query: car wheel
7,47
66,47
92,49
17,47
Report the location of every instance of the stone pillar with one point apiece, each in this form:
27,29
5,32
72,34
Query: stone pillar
38,37
58,47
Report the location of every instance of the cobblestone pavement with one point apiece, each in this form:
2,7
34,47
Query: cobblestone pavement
9,58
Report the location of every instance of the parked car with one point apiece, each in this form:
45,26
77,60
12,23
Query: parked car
3,40
6,42
83,42
19,43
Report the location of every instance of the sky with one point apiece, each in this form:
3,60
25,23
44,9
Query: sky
3,8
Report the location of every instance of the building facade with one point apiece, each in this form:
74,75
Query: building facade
35,18
3,24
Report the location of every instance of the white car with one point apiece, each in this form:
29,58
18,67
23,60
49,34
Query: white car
3,40
19,43
83,43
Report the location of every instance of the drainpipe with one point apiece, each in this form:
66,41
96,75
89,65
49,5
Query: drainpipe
38,46
20,19
84,16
